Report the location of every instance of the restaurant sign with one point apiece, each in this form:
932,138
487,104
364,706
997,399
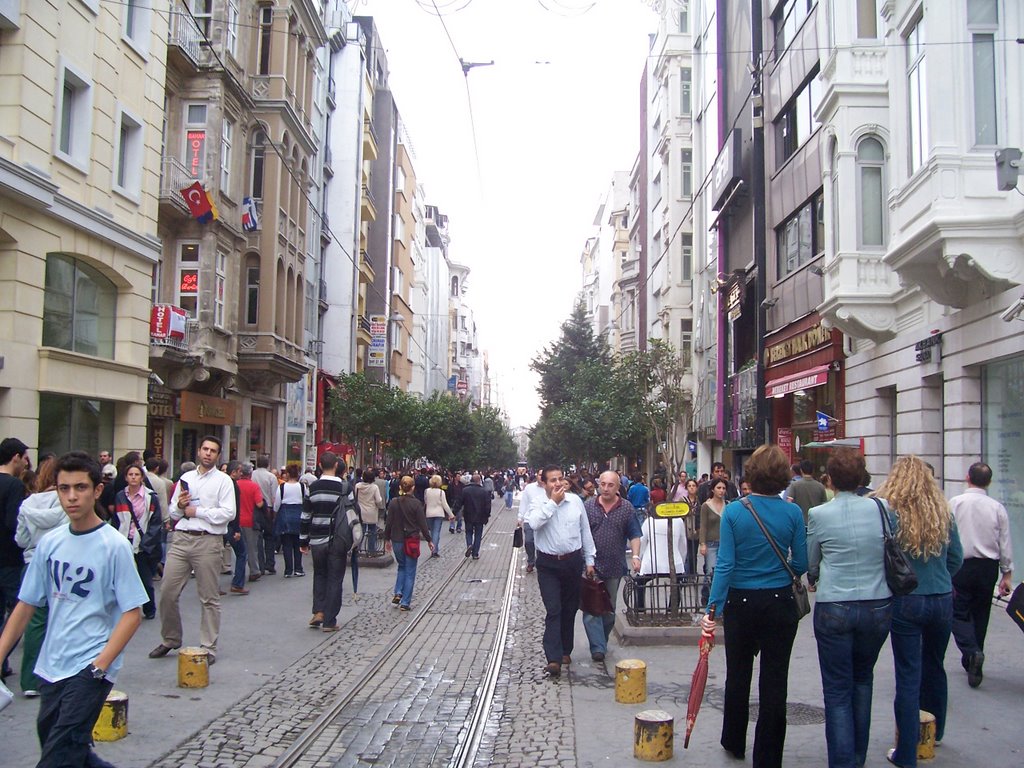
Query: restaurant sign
812,338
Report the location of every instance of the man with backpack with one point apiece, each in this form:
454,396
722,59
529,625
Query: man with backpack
329,527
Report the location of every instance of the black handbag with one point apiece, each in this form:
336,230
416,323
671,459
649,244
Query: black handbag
1015,608
899,572
800,597
517,538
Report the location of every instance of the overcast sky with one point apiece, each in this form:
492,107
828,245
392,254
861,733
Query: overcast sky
555,116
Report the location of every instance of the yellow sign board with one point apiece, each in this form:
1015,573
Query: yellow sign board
666,510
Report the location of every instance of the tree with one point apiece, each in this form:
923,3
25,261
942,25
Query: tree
493,444
442,430
360,408
559,363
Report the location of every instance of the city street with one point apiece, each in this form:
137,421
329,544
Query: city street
408,699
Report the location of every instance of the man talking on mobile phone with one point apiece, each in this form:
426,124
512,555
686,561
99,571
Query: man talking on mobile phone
565,547
201,508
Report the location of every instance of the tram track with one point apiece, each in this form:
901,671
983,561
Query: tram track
472,730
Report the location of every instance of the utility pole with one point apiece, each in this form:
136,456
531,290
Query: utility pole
762,432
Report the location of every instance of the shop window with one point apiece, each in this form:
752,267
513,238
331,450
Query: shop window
79,307
1002,436
74,424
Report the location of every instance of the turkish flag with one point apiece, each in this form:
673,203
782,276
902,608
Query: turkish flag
198,203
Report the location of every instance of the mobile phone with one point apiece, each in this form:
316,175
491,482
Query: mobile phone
183,485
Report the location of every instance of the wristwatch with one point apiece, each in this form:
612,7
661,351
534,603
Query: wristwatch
97,673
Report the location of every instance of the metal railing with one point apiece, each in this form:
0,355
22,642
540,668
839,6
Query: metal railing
174,177
652,601
182,345
183,33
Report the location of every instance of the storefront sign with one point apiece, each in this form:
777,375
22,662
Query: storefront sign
815,377
812,338
295,448
204,409
196,152
735,301
666,510
784,439
929,350
726,172
156,438
375,358
167,321
162,403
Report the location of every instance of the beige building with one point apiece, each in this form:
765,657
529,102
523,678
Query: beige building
81,109
402,268
240,89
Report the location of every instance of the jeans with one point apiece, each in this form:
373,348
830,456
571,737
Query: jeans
145,568
241,557
758,621
921,626
435,523
458,516
370,534
973,585
710,561
849,635
531,548
67,713
10,584
292,555
329,562
268,558
508,499
599,628
474,533
405,579
559,582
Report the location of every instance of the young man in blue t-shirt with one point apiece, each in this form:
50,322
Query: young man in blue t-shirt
86,573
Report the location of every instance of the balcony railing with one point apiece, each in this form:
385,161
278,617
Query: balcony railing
184,34
181,345
331,98
174,177
741,420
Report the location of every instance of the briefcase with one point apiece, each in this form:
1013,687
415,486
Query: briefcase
1016,606
594,597
517,538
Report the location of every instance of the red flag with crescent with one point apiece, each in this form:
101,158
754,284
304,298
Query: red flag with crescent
199,203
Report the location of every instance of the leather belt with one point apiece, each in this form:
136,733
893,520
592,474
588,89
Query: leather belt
190,532
566,556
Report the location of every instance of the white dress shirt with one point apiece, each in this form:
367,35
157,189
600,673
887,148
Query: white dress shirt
561,529
531,493
213,496
984,527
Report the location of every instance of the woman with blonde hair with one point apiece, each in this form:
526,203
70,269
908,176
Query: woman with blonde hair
437,512
921,621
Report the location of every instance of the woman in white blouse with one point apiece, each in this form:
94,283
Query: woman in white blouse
437,512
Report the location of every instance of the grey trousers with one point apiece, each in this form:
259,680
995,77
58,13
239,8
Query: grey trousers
202,554
253,543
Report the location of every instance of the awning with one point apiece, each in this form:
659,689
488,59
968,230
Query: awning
813,377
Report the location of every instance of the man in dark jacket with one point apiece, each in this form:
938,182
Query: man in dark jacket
476,511
13,461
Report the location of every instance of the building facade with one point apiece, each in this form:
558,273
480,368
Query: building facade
81,110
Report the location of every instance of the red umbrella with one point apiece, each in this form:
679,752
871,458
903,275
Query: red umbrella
697,683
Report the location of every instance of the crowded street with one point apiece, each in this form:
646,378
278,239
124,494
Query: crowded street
414,690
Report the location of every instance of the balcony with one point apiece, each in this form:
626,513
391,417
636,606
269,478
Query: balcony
325,229
322,295
363,336
741,410
174,177
159,344
369,141
331,98
366,271
265,361
367,209
328,158
275,92
183,38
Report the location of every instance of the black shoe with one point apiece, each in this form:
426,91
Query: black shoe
598,656
469,551
553,669
476,557
211,660
160,651
974,675
149,616
451,530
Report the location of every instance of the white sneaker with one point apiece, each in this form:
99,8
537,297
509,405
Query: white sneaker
30,694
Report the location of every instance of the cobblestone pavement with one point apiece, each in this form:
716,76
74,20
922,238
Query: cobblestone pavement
258,729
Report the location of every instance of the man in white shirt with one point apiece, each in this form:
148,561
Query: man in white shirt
565,546
533,492
984,529
200,510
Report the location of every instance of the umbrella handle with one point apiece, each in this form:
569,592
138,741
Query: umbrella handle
711,613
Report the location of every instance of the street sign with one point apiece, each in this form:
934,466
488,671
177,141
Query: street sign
375,359
666,510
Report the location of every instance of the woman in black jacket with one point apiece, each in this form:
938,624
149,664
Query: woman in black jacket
405,526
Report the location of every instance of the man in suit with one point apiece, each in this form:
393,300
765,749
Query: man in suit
476,511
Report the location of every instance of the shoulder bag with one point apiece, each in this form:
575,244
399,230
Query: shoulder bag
899,572
412,540
800,598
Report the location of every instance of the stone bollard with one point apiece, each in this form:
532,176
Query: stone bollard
652,736
193,668
926,736
112,724
631,681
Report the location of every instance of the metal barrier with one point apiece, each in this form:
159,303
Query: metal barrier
653,601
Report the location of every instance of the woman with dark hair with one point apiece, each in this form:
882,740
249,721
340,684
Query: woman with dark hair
137,516
923,620
751,592
853,610
288,511
711,512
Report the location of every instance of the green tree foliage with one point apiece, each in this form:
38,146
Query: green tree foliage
560,362
493,445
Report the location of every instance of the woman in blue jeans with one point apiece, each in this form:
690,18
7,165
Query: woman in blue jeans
853,610
407,519
921,621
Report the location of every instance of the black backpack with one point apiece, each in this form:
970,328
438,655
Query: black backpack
340,529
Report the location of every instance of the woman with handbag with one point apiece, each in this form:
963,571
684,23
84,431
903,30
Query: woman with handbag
137,516
923,620
406,523
853,610
752,592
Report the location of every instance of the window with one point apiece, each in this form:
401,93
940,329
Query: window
834,179
231,28
266,33
917,95
252,291
128,149
686,247
79,307
74,424
801,238
867,20
399,228
220,278
787,20
202,10
397,281
686,343
629,311
259,153
227,131
684,18
686,173
796,123
399,179
137,25
455,286
156,276
195,139
188,278
685,90
74,117
871,192
983,23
